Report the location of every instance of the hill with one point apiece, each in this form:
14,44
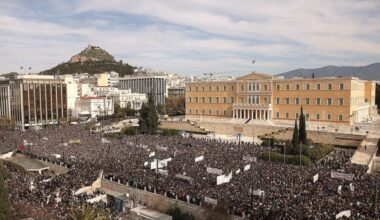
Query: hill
369,72
91,60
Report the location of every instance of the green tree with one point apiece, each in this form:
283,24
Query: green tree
302,128
148,118
295,139
4,197
85,213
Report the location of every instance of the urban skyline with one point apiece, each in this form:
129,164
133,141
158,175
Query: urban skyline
190,37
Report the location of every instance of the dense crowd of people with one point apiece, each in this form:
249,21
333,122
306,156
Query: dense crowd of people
289,191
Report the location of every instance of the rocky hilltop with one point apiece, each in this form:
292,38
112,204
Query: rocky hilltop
92,53
92,60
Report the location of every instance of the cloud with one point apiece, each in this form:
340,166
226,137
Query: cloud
193,36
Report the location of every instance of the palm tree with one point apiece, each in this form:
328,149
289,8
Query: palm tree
86,213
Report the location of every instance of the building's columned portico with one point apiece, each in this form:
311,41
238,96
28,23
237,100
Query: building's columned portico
253,111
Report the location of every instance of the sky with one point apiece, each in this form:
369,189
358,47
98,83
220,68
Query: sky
192,37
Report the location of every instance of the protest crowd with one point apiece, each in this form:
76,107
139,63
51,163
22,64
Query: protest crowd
196,170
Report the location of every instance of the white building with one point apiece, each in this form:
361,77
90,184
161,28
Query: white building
123,98
93,106
110,79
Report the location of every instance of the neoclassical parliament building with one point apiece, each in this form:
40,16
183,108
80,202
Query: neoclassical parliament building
264,97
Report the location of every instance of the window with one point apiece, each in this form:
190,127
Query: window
307,116
196,111
203,99
297,114
318,116
217,88
307,101
224,112
217,112
277,114
241,100
277,100
189,99
232,99
287,101
203,88
190,91
266,100
217,99
190,111
340,117
329,116
318,86
265,87
232,87
318,102
196,99
307,86
287,87
286,115
298,86
242,87
209,88
203,112
196,89
277,87
341,86
225,88
297,101
209,100
329,101
209,112
224,100
330,86
341,101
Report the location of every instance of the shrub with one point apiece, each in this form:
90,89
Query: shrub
130,130
319,151
289,159
168,132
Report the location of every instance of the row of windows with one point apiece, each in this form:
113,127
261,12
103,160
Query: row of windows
317,116
210,100
318,86
307,101
208,112
209,88
254,87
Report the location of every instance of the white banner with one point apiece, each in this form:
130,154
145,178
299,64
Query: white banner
340,189
346,213
315,178
223,179
200,158
163,172
152,154
258,192
247,167
105,141
352,188
237,171
211,201
146,163
162,148
344,176
249,158
214,171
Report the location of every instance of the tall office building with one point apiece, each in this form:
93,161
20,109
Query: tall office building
30,100
149,85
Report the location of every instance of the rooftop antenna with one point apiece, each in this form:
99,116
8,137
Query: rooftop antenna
253,62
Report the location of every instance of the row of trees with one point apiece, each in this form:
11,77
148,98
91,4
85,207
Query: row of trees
300,135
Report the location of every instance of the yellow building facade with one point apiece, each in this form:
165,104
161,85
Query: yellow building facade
258,96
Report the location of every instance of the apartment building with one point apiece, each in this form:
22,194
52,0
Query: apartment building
258,96
32,100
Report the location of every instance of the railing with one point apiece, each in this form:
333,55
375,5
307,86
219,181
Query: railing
266,106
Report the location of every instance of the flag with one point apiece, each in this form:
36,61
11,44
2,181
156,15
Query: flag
315,178
237,171
21,148
247,167
200,158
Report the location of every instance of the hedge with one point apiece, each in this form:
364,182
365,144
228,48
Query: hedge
289,159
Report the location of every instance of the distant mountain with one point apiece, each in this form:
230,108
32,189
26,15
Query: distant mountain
369,72
92,60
